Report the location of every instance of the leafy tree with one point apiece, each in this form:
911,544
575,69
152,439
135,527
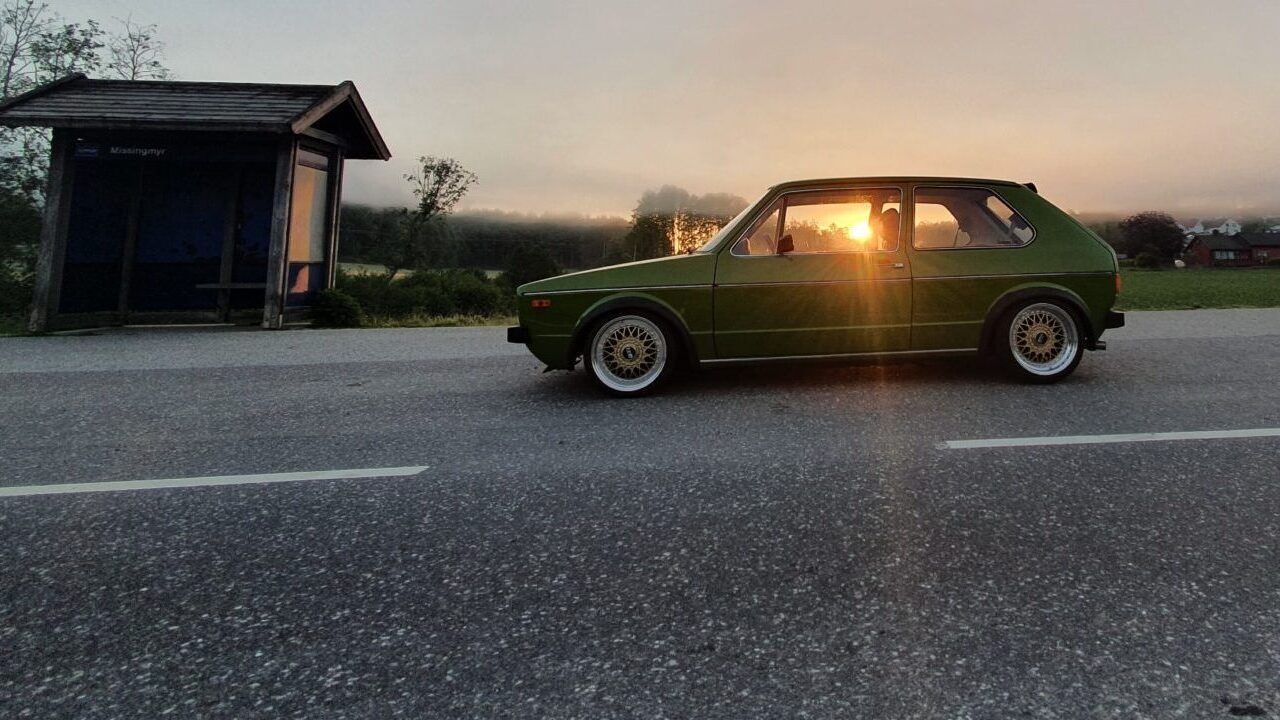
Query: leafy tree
1155,233
529,262
38,46
67,48
421,239
438,184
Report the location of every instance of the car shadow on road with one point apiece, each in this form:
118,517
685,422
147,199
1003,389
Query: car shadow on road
801,376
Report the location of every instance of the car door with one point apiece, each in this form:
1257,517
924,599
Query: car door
843,287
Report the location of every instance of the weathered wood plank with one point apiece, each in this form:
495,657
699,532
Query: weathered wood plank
53,233
277,259
335,215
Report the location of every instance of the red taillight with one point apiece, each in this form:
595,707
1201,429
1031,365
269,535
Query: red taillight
540,303
1119,283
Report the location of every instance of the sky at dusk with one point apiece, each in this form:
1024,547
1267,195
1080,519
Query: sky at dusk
581,106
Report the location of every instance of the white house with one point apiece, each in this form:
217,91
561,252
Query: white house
1222,226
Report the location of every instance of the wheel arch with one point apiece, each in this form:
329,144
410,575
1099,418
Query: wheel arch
1025,294
640,303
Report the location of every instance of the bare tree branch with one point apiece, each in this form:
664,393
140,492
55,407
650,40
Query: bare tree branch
136,53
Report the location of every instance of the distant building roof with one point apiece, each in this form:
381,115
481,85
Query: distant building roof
1268,239
1220,242
78,102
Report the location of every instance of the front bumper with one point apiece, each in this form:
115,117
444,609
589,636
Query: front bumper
518,335
1115,319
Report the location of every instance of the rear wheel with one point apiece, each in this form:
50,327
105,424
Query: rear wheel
629,355
1042,341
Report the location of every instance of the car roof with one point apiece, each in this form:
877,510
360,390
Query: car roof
894,179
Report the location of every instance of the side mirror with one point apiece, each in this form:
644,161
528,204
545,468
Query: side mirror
786,245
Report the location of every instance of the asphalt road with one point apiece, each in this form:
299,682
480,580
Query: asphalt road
755,542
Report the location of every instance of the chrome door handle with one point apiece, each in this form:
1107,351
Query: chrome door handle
893,265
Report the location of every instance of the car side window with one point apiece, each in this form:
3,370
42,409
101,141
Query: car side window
829,221
966,217
762,238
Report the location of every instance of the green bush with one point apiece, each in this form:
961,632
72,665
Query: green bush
1147,260
15,293
474,294
428,294
335,308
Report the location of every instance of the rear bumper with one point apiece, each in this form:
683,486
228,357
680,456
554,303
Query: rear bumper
518,335
1115,319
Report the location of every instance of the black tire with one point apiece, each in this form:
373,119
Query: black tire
630,353
1039,341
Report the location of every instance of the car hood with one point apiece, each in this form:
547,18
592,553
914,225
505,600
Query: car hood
695,269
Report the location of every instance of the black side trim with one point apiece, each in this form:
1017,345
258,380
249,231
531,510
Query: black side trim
1115,319
518,335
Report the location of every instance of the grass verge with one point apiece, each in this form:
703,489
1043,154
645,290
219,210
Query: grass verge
1199,288
429,321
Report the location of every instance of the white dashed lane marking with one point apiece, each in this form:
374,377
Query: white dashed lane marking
1105,439
209,481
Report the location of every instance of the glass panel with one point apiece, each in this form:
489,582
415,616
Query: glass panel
96,230
309,215
308,229
966,217
936,227
760,239
181,226
862,220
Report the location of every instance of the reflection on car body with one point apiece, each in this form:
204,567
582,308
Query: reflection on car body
843,268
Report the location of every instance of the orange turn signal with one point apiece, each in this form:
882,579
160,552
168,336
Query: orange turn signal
540,303
1118,283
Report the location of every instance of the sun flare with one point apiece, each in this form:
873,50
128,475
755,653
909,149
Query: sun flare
860,232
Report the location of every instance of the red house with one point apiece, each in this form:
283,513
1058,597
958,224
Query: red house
1239,250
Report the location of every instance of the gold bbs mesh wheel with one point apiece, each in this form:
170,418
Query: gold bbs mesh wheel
628,353
1044,340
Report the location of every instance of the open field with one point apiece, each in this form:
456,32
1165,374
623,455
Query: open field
1200,288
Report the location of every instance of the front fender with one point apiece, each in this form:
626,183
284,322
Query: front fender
633,300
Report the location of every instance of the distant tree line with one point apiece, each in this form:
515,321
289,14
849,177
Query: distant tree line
670,220
666,221
485,239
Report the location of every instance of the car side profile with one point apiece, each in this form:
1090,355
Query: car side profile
843,268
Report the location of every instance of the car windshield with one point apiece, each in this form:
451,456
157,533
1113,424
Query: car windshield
714,242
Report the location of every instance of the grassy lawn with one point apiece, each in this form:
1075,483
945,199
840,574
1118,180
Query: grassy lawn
1203,288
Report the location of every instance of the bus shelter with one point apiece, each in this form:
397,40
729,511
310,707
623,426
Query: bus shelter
190,201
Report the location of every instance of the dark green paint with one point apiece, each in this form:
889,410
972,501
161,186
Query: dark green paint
836,303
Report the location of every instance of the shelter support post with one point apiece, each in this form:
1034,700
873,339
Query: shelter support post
277,255
53,233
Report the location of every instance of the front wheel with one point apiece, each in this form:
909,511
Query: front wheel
1043,342
629,355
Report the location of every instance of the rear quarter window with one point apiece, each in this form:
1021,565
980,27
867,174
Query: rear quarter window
952,218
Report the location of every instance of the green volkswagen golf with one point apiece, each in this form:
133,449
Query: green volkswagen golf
844,268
